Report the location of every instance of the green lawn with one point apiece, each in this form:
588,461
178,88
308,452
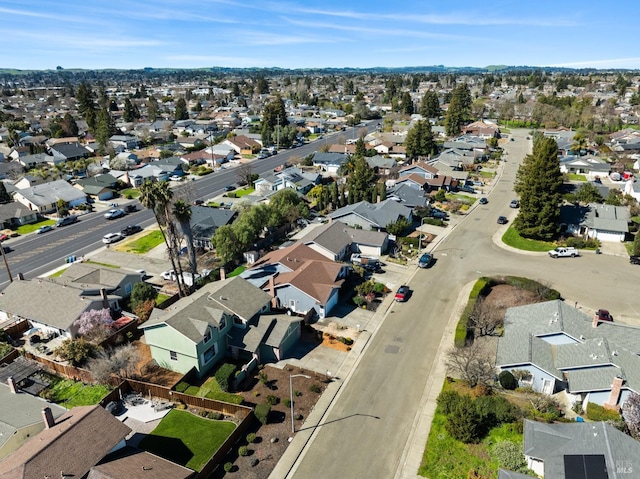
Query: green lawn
236,271
69,393
58,273
161,298
26,229
142,245
187,439
243,192
459,197
211,390
106,265
513,239
130,193
576,177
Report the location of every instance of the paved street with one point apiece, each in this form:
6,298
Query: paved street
368,429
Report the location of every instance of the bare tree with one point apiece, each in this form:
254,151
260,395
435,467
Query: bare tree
245,173
486,318
472,363
120,362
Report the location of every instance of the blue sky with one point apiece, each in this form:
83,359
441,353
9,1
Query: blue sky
42,34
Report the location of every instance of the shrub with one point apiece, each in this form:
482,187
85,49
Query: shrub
462,328
379,288
287,402
297,393
315,388
262,376
262,413
224,374
243,451
272,400
447,401
358,300
509,455
228,466
595,412
507,380
463,422
494,410
215,415
251,438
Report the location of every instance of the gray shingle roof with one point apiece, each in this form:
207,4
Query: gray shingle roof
49,193
552,442
378,214
335,236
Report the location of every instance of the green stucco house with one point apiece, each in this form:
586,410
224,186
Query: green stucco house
226,318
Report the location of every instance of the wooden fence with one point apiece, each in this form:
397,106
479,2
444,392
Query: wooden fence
16,330
9,358
120,335
70,372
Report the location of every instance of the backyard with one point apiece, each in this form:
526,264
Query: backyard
187,439
70,393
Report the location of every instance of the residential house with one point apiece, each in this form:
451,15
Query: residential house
422,176
419,168
15,214
68,152
578,450
560,348
590,166
455,158
372,216
130,462
337,241
34,161
69,446
381,164
408,195
482,129
291,177
26,181
57,307
125,142
632,188
205,221
21,417
100,187
243,145
91,279
329,162
170,166
225,316
43,198
599,221
299,279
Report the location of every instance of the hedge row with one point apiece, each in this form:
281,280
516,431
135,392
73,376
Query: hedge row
462,329
595,412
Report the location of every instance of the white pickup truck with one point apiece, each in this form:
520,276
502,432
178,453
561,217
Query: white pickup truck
564,252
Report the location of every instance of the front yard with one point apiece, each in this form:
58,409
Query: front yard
186,439
143,244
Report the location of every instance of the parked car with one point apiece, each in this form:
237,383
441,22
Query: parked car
131,208
634,259
131,229
113,214
402,294
3,237
44,229
67,220
168,275
175,178
502,220
198,202
564,252
229,188
603,315
111,238
514,204
436,213
467,189
426,260
483,201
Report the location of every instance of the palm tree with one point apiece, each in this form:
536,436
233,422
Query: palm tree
157,197
182,213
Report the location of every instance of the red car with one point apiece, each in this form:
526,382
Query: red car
402,294
603,315
3,237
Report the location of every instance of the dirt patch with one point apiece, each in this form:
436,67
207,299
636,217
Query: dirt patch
148,371
272,438
504,296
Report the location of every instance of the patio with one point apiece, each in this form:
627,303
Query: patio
140,409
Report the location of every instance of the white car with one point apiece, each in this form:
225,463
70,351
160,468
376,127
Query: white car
113,214
111,238
168,275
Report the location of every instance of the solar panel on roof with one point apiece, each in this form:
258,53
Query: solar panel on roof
585,466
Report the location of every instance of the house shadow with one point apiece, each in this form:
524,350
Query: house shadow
173,449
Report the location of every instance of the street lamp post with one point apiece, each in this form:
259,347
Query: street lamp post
291,376
420,238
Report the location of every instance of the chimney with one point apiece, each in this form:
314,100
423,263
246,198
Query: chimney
378,199
272,292
47,415
594,323
12,385
223,274
105,300
614,395
21,276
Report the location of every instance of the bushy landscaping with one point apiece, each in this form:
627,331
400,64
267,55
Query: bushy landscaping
512,238
210,389
187,439
70,393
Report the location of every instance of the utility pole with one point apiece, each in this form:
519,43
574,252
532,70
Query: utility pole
213,163
6,264
278,133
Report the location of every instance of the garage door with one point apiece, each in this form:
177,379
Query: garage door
609,236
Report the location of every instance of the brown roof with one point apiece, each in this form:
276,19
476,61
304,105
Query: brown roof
244,142
350,149
292,257
423,165
78,440
439,181
315,278
130,463
416,178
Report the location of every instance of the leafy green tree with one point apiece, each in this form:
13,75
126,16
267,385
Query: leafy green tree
579,143
105,127
5,197
76,351
430,106
182,213
68,125
407,103
361,149
273,115
589,193
153,110
86,104
286,206
459,109
419,141
142,292
226,244
249,225
360,182
538,182
398,227
464,423
130,112
181,112
614,198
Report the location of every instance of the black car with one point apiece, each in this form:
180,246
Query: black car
229,188
502,220
131,229
483,201
425,261
634,259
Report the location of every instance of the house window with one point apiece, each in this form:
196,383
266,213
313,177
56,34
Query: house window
128,288
238,321
207,336
173,355
292,304
223,323
210,353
